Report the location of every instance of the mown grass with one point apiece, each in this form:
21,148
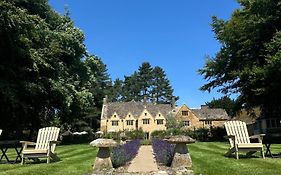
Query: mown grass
75,160
208,159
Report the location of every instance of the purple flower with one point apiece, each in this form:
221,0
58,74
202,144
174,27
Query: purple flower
163,151
124,153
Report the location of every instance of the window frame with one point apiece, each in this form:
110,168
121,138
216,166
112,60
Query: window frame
114,123
160,121
146,121
129,122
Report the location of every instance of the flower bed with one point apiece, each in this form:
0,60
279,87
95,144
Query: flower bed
163,151
124,153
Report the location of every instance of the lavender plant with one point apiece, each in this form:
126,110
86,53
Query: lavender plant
163,151
124,153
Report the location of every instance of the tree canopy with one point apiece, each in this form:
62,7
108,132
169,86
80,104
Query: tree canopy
47,76
225,103
249,60
148,81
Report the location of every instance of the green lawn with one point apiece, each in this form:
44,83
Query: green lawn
75,159
207,159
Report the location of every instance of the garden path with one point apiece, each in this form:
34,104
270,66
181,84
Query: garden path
144,161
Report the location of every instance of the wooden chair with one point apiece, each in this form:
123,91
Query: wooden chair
44,146
239,139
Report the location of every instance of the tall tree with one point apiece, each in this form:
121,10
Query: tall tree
248,62
161,87
115,93
43,78
145,77
147,81
131,89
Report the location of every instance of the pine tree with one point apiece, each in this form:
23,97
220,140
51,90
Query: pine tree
145,77
161,86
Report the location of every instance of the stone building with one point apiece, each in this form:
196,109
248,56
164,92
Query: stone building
149,116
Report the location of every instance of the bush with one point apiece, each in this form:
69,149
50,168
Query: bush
159,134
163,151
136,134
218,133
124,153
145,142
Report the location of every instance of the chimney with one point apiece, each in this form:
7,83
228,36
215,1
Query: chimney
154,99
144,100
173,103
105,100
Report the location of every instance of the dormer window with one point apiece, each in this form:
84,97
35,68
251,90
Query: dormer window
114,123
159,115
115,116
184,113
160,121
145,114
129,115
145,121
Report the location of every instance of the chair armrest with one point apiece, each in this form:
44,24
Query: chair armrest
27,143
54,142
258,136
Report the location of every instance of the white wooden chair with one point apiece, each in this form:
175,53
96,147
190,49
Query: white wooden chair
44,146
239,139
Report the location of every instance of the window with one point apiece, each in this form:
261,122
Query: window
184,113
159,115
186,123
160,121
130,122
208,122
114,123
145,121
145,114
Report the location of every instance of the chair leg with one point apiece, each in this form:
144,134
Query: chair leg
22,160
48,159
262,153
236,154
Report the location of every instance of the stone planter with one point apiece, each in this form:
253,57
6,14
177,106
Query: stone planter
181,158
103,160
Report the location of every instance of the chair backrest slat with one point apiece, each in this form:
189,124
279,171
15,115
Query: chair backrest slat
45,135
0,131
239,130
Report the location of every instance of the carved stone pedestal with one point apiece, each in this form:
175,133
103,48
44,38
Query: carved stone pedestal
181,156
103,160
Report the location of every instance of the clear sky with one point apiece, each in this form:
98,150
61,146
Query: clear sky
173,34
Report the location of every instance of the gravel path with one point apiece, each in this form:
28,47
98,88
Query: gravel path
144,161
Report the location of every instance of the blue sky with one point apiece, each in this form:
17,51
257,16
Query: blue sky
173,34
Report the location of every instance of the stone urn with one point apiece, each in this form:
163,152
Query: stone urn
181,156
103,160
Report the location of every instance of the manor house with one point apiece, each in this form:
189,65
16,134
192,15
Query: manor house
149,116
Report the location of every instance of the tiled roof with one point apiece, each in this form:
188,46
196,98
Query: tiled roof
206,113
135,108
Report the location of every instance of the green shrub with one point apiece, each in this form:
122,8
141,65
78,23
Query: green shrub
136,134
145,142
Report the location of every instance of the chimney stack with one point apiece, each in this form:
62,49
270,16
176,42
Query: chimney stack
105,100
154,99
173,103
144,99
